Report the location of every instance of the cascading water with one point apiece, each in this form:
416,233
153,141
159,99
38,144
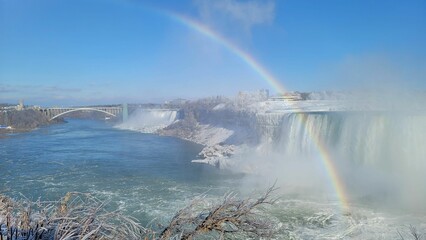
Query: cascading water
376,139
367,148
149,120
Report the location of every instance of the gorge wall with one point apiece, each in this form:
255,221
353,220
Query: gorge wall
25,120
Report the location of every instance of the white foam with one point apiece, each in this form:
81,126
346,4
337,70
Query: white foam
149,121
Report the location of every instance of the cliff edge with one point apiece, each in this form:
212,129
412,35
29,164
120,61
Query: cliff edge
24,120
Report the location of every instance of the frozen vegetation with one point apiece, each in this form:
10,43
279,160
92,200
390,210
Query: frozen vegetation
83,216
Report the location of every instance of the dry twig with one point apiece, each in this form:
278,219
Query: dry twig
75,216
231,216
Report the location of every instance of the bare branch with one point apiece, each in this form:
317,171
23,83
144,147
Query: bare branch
75,216
231,216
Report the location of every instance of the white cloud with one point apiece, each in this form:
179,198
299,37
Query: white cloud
7,88
61,89
236,13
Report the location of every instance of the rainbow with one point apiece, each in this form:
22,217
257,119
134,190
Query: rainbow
244,56
328,164
323,152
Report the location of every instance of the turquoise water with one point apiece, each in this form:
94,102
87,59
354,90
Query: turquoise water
145,175
150,177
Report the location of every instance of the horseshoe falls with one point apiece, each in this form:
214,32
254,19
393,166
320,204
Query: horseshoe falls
371,161
377,155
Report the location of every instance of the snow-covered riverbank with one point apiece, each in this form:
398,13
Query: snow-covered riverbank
226,127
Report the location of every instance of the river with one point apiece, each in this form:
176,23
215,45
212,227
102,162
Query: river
145,175
150,177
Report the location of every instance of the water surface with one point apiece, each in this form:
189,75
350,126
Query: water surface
144,174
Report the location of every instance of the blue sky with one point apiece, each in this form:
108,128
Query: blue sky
111,51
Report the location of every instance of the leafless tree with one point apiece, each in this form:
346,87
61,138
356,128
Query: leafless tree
414,234
75,216
232,216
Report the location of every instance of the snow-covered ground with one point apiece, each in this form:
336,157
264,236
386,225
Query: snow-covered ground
299,106
209,135
336,105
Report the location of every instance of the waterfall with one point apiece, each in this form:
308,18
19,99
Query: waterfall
371,139
149,120
375,153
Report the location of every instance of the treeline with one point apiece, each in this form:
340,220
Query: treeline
215,111
25,120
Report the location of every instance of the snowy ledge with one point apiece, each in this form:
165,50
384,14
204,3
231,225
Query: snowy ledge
217,155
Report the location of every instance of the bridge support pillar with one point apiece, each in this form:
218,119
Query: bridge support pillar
125,112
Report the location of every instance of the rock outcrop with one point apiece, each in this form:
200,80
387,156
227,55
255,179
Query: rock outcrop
24,120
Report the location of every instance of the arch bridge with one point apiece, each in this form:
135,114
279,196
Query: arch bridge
53,113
